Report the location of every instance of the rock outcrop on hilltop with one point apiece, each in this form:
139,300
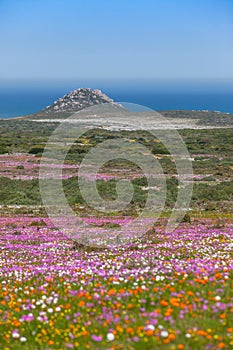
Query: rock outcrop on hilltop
76,101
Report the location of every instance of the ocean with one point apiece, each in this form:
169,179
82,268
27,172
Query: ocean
17,101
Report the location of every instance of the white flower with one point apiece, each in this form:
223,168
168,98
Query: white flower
23,339
15,334
50,310
110,336
217,298
150,327
164,334
57,309
188,335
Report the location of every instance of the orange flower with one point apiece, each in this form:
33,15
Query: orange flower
180,346
183,305
16,323
172,336
190,292
221,345
168,311
149,332
129,330
158,311
111,291
174,302
119,328
163,303
202,333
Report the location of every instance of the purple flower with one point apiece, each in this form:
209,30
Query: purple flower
136,339
96,337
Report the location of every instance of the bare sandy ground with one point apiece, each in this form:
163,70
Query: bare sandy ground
111,125
113,117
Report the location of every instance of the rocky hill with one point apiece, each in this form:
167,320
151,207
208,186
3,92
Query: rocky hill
77,100
72,102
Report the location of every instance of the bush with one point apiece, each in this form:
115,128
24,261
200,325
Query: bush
36,150
20,167
3,149
186,218
38,223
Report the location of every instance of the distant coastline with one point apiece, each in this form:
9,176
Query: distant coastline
18,102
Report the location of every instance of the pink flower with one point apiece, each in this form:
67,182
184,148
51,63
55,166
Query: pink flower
96,337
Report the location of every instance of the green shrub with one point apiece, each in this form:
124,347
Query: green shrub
20,167
36,150
38,223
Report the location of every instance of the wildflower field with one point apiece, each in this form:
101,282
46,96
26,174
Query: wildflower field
161,291
169,292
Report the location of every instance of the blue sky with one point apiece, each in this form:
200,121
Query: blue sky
123,39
